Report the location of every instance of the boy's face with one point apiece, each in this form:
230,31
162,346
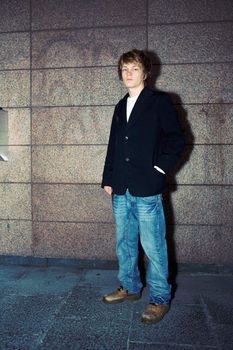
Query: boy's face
133,76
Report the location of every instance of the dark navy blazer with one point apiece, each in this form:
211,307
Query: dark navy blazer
152,136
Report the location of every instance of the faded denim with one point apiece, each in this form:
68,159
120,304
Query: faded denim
142,216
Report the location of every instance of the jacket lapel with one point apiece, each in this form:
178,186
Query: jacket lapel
122,111
140,105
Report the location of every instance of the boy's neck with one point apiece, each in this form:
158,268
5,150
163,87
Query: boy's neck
135,92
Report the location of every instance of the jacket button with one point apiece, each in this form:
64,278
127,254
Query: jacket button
127,159
126,138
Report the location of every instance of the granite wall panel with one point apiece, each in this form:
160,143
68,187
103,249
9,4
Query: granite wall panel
84,47
14,88
15,15
196,205
19,126
203,124
227,165
15,50
80,86
15,237
190,43
68,164
207,123
197,244
56,14
18,166
201,244
71,203
15,201
57,239
84,164
207,164
86,86
200,205
192,83
189,11
71,125
60,94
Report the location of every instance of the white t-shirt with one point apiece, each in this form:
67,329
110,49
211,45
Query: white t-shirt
130,104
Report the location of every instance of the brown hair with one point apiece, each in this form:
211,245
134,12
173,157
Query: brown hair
138,56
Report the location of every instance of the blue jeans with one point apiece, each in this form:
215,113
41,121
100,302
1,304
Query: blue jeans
142,216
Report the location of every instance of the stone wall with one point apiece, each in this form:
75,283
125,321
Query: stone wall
59,84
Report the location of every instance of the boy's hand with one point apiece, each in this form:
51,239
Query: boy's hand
108,190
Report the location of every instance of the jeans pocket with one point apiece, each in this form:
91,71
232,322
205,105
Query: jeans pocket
152,199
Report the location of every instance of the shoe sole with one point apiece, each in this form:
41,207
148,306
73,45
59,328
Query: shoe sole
151,321
117,301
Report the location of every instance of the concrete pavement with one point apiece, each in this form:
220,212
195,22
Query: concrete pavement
60,308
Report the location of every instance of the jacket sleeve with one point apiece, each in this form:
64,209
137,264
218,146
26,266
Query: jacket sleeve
109,160
172,138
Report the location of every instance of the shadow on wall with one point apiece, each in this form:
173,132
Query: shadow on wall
171,179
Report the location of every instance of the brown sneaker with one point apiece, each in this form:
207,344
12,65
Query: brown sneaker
120,295
154,313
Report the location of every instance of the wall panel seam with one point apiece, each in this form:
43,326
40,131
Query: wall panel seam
189,22
112,105
105,144
51,29
114,66
30,87
99,183
111,223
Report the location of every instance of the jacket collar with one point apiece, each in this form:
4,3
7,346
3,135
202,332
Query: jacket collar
141,103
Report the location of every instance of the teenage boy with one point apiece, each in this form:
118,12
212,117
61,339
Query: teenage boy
144,144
